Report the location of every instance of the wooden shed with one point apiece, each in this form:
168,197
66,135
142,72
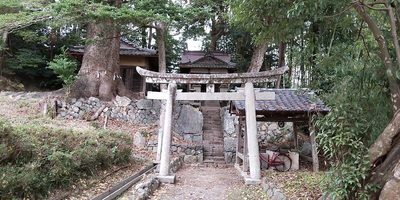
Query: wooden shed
289,105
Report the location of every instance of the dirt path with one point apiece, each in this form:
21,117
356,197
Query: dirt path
201,183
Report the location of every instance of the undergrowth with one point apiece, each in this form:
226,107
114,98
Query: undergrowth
35,160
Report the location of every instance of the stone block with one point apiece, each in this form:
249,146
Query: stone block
294,156
249,181
122,101
197,138
230,144
144,104
188,137
190,159
139,140
189,120
167,179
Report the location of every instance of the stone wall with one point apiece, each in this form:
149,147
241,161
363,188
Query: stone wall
137,111
229,124
187,119
269,134
192,153
148,185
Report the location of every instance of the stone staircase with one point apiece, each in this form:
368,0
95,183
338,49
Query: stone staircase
213,139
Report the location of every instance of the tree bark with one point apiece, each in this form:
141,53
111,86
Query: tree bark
162,63
385,154
4,40
144,36
257,58
100,71
281,61
384,54
150,38
99,65
216,32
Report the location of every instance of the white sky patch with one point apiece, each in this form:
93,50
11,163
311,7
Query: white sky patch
194,44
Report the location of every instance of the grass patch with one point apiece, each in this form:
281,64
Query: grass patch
35,159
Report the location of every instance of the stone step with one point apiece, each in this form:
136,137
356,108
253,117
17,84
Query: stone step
214,158
213,140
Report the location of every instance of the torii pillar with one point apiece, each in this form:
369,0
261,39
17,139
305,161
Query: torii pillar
251,131
164,175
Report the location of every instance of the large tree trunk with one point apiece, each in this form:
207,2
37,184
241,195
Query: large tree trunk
257,58
100,71
162,62
3,50
281,61
385,154
215,34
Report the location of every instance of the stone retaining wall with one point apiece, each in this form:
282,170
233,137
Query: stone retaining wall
192,153
269,134
146,187
229,123
138,111
187,119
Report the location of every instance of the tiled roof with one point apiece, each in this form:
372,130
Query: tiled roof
287,100
201,59
126,48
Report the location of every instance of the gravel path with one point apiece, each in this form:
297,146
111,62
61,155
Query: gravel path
201,183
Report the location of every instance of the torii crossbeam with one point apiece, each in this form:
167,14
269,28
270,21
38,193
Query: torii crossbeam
248,95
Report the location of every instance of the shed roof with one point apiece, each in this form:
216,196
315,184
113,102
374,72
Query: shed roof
287,102
127,48
202,59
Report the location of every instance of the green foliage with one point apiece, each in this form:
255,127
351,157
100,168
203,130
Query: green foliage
266,20
65,67
360,109
35,160
26,59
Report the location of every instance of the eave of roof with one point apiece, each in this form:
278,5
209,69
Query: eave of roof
128,49
287,101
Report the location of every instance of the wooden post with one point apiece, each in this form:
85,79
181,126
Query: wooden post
295,135
314,151
245,153
210,88
238,141
164,165
251,131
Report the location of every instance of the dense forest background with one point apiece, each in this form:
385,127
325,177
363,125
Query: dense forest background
347,51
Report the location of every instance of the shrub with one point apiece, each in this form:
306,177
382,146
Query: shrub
360,109
65,67
35,160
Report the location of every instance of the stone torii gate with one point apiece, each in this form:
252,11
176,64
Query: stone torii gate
249,95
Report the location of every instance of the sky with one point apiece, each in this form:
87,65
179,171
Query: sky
194,45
